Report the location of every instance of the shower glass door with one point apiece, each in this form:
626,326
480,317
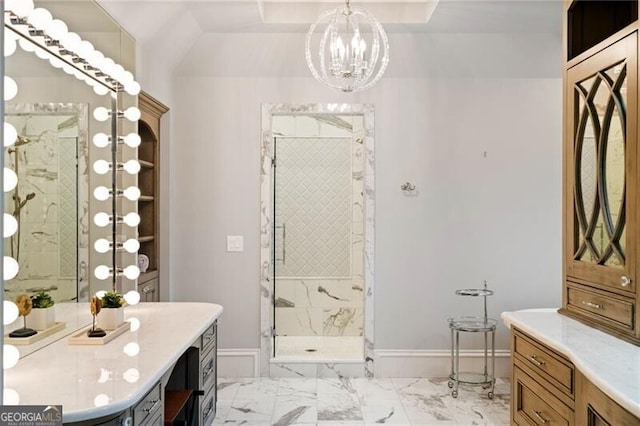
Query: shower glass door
317,244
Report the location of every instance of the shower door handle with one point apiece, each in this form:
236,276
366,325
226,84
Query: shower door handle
283,259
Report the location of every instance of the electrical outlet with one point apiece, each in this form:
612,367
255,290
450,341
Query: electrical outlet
235,243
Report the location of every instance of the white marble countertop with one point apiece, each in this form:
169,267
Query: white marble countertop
95,381
613,365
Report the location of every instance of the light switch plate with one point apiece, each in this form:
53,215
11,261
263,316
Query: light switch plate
235,243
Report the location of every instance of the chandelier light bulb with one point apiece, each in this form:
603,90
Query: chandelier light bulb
10,46
10,312
10,225
102,219
132,297
132,167
101,167
101,193
101,140
10,356
132,193
350,50
10,88
102,245
11,268
132,219
131,245
102,272
10,179
10,134
132,140
132,114
101,114
40,18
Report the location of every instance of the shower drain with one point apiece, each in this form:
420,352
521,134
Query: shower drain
311,350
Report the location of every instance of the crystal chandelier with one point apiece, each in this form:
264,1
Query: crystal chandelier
351,53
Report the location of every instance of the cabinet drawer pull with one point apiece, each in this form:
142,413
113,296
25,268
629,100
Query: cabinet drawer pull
534,359
206,414
153,403
592,305
538,414
625,281
206,373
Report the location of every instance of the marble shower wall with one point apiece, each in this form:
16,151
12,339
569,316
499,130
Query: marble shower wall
53,199
319,289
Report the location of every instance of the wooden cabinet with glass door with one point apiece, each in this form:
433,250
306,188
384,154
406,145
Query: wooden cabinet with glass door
149,203
601,183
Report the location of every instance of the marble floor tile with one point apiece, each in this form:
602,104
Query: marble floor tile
358,401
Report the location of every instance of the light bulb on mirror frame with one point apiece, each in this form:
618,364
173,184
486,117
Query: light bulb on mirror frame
132,140
102,219
11,355
10,88
10,134
132,297
132,193
10,46
101,167
131,245
101,193
10,179
100,90
10,225
10,268
10,397
132,167
131,272
56,29
131,219
102,245
10,312
20,7
132,349
101,113
102,272
132,88
40,18
132,114
26,45
101,140
100,293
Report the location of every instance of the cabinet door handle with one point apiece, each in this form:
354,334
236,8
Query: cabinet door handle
538,414
592,305
206,414
153,403
534,359
625,281
207,372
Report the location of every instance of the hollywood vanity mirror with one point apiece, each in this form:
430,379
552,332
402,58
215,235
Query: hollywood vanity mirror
54,158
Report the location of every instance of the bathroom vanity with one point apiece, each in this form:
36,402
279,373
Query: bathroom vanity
565,372
165,365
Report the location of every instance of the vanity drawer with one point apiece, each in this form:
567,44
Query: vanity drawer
208,371
208,338
543,361
208,408
148,406
598,306
534,405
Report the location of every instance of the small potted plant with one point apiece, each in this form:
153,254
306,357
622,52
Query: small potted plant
42,314
112,312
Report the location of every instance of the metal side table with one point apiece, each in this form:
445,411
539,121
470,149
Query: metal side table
472,324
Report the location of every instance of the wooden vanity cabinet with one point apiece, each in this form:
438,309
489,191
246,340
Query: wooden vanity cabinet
547,389
601,160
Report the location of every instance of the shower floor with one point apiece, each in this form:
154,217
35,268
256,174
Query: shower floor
320,348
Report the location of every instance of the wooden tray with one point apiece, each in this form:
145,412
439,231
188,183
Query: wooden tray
81,338
19,341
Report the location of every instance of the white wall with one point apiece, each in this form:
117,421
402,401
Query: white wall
494,218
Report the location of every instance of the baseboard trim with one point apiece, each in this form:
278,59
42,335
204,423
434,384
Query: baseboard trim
238,363
434,363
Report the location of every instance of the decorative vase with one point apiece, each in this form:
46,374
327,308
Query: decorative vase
110,318
41,318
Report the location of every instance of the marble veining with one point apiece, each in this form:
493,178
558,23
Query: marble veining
359,401
331,321
596,354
